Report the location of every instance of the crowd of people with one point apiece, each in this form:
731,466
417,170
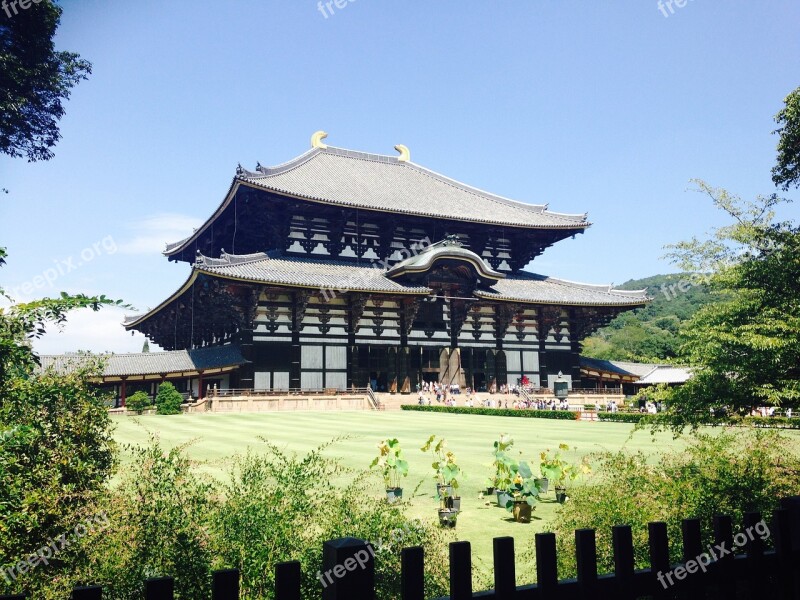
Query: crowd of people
454,395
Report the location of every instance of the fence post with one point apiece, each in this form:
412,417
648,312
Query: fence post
659,557
225,585
287,580
161,588
348,569
412,573
756,577
792,506
546,565
505,576
94,592
622,539
460,571
586,556
723,568
692,548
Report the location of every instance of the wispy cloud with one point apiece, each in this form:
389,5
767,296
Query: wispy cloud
151,234
85,329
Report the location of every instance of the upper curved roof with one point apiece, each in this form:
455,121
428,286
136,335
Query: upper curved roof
449,249
337,176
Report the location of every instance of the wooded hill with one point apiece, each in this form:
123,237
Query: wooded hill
650,334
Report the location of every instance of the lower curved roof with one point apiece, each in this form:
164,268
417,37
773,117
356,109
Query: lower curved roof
149,363
347,276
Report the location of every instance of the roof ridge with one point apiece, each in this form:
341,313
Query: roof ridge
540,208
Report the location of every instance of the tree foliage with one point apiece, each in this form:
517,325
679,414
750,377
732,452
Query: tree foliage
786,172
56,450
36,80
738,471
168,399
744,348
651,334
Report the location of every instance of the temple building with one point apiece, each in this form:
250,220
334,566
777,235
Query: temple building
342,269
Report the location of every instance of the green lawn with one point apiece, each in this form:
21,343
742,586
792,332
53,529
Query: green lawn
218,437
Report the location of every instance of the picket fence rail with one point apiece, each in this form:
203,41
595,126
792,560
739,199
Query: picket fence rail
754,573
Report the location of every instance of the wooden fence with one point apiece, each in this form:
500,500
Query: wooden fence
348,571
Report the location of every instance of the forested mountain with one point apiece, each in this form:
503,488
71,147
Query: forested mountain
650,334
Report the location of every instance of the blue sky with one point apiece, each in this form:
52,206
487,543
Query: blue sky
608,108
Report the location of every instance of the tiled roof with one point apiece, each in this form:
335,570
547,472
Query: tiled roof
666,374
530,287
617,366
303,272
150,363
343,276
378,182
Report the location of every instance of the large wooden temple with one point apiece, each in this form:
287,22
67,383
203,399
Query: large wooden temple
343,269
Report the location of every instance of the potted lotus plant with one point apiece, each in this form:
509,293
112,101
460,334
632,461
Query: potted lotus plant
504,468
524,494
559,471
447,473
393,467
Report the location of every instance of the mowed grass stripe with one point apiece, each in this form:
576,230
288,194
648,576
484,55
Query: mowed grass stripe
219,437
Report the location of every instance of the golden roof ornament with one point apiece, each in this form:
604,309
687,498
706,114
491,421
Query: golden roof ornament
316,140
405,153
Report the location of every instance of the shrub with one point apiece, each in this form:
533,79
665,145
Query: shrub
282,507
56,455
716,474
138,402
168,399
159,519
497,412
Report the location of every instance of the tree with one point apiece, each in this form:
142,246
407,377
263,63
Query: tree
786,172
745,347
56,449
138,402
36,79
168,399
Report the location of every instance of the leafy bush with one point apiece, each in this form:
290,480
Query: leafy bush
282,507
160,527
56,455
620,417
497,412
168,399
138,402
730,473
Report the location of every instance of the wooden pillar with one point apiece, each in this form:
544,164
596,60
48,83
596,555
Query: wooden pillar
122,393
200,385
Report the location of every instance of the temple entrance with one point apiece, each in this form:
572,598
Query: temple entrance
479,382
378,381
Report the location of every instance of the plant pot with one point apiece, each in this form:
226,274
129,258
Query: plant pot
522,511
561,495
447,517
489,491
502,498
455,502
443,490
394,494
542,483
